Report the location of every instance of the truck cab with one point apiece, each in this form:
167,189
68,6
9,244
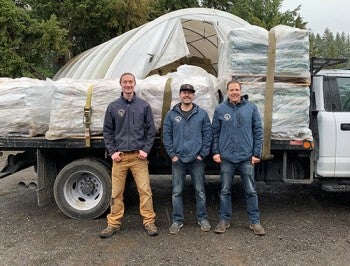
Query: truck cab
331,89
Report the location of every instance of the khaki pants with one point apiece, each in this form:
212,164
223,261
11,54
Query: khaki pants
139,170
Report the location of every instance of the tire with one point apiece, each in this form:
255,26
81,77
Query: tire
83,189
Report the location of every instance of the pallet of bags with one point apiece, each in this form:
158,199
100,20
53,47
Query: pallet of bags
24,105
247,53
290,116
67,106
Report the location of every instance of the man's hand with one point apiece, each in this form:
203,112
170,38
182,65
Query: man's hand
117,156
217,158
142,155
255,160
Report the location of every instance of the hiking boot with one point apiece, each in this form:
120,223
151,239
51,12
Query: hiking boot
109,231
258,229
151,229
222,226
205,225
175,227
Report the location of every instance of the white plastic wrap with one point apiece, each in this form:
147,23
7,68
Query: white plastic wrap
24,105
247,52
292,52
67,106
290,116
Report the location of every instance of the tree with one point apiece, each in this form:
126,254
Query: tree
26,44
89,22
266,14
329,44
223,5
161,7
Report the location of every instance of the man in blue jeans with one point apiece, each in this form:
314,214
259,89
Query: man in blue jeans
237,145
187,137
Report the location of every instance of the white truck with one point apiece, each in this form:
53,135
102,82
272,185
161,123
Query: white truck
76,171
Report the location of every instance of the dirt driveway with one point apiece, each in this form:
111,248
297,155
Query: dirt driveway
305,226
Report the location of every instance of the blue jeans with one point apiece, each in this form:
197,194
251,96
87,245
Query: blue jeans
227,171
196,170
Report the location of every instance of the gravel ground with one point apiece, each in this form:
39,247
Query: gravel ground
305,226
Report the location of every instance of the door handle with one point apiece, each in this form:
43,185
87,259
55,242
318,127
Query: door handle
345,127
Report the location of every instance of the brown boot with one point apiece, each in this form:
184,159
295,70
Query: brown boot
222,226
109,231
151,229
258,229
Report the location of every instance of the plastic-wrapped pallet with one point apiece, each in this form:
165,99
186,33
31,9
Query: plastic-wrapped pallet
292,52
67,106
247,52
24,105
290,116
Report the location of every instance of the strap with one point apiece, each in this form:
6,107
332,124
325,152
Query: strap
87,116
166,107
270,76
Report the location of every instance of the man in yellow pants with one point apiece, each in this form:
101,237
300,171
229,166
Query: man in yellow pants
129,134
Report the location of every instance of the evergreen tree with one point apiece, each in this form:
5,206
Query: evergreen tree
28,47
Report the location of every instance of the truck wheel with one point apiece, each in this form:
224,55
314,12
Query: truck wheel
83,188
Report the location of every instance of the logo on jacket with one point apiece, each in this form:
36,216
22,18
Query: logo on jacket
178,118
227,117
121,112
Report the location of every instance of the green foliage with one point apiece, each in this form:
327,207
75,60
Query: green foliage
266,13
330,46
26,43
223,5
161,7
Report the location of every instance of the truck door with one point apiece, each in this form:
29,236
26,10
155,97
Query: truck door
342,120
334,125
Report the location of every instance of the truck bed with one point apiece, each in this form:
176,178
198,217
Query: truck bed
21,143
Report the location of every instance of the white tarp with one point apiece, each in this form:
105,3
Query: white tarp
187,32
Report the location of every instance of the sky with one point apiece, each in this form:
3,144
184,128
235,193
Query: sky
322,14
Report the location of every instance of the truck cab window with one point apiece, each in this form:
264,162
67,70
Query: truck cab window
344,92
336,94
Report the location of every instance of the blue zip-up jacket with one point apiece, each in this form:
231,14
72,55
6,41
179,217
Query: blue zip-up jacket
128,125
187,138
237,131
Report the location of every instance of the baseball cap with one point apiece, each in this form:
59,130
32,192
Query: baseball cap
187,87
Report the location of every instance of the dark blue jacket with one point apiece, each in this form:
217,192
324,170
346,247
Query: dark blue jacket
237,131
128,125
187,138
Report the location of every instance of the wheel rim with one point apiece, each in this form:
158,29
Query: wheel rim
83,190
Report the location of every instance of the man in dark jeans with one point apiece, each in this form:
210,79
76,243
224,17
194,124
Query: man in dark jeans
237,145
187,137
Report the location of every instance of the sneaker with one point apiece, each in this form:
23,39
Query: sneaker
175,227
258,229
151,229
109,231
222,226
205,225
